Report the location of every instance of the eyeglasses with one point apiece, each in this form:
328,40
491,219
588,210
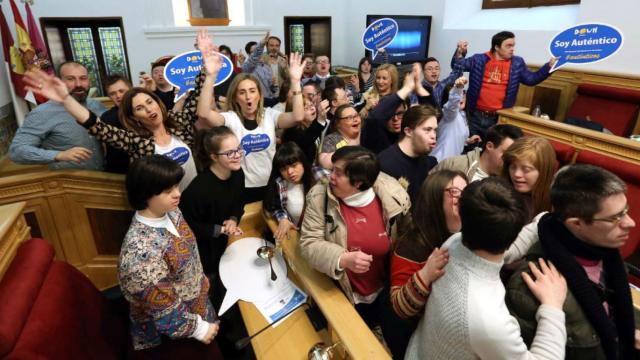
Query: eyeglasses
454,192
322,62
232,153
399,114
351,118
615,219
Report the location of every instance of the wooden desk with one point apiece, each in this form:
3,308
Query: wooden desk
291,338
13,231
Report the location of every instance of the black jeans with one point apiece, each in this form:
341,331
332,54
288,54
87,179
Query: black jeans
396,331
480,122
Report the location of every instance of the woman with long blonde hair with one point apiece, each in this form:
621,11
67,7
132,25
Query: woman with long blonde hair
386,83
244,113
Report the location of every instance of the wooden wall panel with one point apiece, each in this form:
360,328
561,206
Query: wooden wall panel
60,203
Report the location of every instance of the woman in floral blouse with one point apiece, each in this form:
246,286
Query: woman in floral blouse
159,270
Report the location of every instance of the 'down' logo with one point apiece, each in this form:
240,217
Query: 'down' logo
255,142
179,155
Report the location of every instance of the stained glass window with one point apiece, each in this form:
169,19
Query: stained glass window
83,51
296,34
113,50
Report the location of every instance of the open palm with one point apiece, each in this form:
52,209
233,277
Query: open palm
296,66
45,85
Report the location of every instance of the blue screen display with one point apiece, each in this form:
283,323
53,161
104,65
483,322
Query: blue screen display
412,42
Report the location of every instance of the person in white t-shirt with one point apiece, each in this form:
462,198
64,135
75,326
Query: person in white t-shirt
246,116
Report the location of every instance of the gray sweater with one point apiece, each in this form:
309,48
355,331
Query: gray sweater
466,316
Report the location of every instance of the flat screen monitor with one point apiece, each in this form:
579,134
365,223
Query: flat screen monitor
412,42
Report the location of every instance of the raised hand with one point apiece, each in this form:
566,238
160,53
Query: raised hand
460,82
323,109
296,67
433,268
264,40
553,61
147,82
409,82
49,86
463,46
416,71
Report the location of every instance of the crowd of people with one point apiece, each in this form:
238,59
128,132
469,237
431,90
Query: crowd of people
454,237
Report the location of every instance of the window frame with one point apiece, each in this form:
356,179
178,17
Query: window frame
194,21
63,23
509,4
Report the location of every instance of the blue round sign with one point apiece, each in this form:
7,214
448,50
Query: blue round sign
585,43
379,34
181,71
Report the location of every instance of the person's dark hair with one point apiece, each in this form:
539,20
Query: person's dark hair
69,62
360,80
287,154
208,142
112,79
492,214
500,37
430,59
314,83
361,165
161,62
129,120
225,47
429,225
149,176
311,56
247,47
416,115
329,93
497,133
335,82
274,38
578,191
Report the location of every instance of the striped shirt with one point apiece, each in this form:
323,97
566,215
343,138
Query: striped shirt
50,129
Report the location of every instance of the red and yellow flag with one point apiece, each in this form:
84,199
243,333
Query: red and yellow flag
12,57
22,37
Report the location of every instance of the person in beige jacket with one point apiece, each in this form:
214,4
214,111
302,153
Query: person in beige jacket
348,229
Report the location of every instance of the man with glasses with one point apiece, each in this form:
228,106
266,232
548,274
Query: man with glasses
269,68
582,237
323,70
312,91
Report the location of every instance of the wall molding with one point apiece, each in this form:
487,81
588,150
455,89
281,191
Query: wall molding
175,32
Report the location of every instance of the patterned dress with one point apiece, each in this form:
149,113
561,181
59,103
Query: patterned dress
138,146
161,276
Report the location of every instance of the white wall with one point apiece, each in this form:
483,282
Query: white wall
151,32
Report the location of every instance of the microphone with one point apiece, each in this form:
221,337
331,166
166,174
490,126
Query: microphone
240,344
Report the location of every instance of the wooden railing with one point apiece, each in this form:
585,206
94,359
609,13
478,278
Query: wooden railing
344,322
582,139
83,214
13,231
